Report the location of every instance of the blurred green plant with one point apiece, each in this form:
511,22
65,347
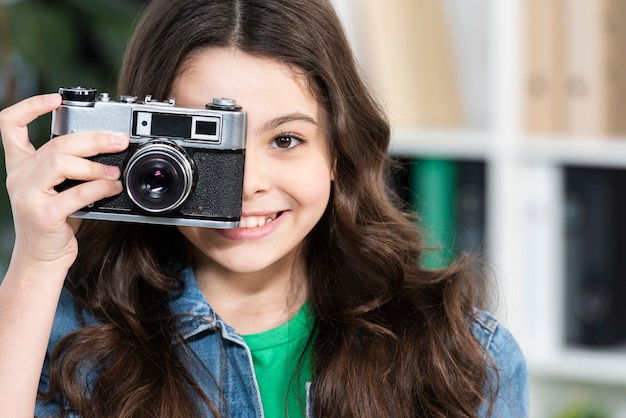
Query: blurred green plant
47,44
584,410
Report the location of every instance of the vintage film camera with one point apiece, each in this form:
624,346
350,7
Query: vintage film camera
183,166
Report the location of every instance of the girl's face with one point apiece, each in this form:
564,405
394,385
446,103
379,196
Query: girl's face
288,170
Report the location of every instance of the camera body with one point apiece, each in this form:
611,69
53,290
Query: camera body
184,166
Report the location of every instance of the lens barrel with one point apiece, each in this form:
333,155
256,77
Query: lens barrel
159,177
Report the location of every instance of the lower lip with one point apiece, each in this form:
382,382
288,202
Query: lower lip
251,234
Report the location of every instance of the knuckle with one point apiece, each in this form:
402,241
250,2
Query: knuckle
59,144
93,170
11,180
5,114
57,163
54,161
3,117
89,192
17,180
79,193
97,170
12,184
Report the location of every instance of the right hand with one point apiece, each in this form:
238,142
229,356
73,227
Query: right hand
44,236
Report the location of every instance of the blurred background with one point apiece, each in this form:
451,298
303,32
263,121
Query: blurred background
508,120
47,44
507,123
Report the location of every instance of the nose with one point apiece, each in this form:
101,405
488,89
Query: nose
256,178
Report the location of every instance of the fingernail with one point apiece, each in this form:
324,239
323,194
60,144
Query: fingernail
51,98
112,171
119,139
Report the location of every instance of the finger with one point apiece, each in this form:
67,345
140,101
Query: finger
27,185
15,119
84,194
61,167
87,144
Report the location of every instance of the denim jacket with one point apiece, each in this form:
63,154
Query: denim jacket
220,355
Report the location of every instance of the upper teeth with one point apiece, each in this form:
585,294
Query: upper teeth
254,221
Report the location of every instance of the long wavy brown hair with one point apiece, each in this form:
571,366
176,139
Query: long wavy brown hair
392,338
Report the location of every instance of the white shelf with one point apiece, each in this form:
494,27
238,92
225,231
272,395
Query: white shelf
564,150
452,144
595,366
533,149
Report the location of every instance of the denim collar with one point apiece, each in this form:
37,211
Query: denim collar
193,312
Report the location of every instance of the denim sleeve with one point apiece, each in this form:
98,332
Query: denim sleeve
65,321
46,408
507,369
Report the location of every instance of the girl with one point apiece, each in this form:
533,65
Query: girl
315,306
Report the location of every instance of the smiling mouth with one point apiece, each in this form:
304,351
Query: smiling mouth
256,221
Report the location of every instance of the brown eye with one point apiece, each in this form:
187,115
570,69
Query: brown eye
285,142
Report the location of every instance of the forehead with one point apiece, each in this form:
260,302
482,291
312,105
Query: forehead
254,82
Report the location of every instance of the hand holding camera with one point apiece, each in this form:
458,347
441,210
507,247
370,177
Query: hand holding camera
43,236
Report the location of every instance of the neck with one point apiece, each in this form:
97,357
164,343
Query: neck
253,302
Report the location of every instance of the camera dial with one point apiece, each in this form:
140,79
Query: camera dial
78,96
223,104
159,176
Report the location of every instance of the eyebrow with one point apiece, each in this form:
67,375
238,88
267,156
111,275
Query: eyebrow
291,117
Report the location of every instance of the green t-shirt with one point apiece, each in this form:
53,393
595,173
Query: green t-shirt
276,354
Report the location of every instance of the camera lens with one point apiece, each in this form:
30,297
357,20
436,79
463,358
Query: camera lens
156,182
159,177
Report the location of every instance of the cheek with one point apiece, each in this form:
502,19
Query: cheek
313,187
